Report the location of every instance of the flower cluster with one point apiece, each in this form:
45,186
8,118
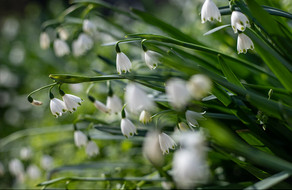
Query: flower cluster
80,46
239,22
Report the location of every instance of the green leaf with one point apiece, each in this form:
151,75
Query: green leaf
216,29
270,181
165,27
221,94
228,72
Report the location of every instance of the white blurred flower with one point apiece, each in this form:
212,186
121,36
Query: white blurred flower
239,21
71,102
183,127
92,149
99,105
137,100
33,172
61,48
166,143
63,33
10,27
177,93
16,167
128,128
210,11
57,107
189,163
151,149
44,40
80,138
2,170
82,45
114,104
192,117
89,27
36,103
47,162
145,117
199,86
151,59
123,63
244,43
25,153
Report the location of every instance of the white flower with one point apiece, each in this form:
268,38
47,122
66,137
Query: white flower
114,104
33,172
137,100
183,126
92,149
145,117
151,59
199,86
123,63
36,103
151,149
192,117
80,138
210,12
57,107
189,163
244,43
99,105
239,21
25,153
47,162
44,40
166,143
63,33
61,48
16,167
2,170
71,102
177,93
89,27
127,127
81,45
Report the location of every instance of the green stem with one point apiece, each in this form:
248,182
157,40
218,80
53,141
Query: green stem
44,87
92,179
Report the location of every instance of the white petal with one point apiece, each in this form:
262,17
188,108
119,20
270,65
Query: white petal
244,43
123,63
80,138
57,107
128,128
210,11
114,104
177,93
92,149
71,102
61,48
166,143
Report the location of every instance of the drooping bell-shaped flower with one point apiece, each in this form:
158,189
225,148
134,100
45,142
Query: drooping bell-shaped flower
244,43
80,138
137,100
128,128
33,172
145,117
151,149
177,93
151,59
92,149
82,45
166,143
114,104
63,33
239,21
57,106
210,12
190,166
192,117
25,153
99,105
44,40
16,167
61,48
71,101
199,86
89,27
123,63
47,162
